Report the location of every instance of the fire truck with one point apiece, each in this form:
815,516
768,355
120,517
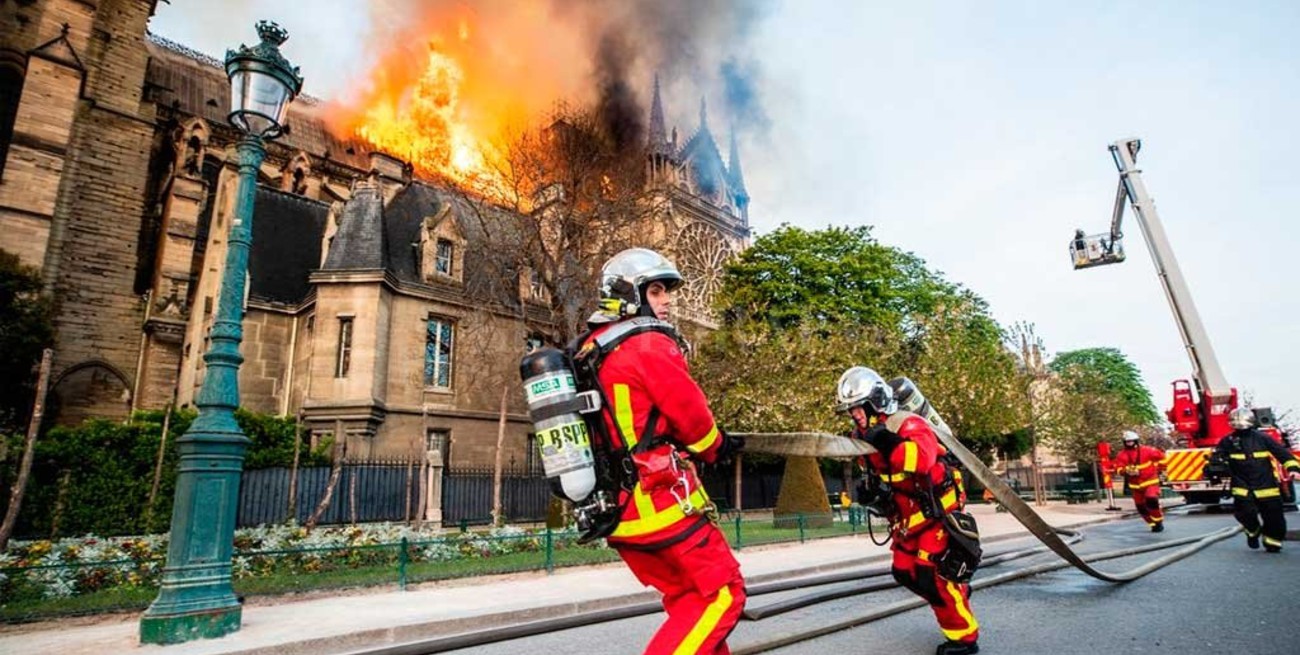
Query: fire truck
1199,413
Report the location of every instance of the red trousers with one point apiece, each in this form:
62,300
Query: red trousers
913,568
703,592
1147,500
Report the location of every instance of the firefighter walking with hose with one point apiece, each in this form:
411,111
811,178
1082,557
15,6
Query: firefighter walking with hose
915,486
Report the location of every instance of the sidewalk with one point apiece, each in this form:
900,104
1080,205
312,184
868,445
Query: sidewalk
358,618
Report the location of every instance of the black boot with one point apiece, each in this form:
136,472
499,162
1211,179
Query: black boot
1158,527
957,648
1252,541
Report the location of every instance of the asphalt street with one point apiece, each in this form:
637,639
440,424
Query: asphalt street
1226,598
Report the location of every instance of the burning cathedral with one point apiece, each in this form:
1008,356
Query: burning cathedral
370,310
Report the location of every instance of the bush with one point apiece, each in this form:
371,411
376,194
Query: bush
96,477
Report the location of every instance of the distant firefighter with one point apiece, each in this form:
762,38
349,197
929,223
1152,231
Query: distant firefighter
1141,465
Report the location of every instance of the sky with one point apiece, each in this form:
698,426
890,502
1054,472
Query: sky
975,135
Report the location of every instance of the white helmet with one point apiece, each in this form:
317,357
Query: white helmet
862,386
1242,418
1130,436
623,281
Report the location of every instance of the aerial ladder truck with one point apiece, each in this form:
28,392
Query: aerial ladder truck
1201,417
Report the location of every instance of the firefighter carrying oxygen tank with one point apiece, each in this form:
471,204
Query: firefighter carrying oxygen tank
656,421
929,558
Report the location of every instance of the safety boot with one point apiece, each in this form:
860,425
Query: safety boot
958,648
1158,527
1272,549
1252,541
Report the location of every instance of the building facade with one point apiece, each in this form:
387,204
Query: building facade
368,310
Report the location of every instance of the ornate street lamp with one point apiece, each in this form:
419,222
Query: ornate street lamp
196,600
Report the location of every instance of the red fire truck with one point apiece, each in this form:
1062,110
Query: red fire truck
1199,417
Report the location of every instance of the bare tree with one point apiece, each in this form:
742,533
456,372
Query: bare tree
336,471
566,196
29,451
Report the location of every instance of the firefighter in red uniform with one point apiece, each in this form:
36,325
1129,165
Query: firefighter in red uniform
657,413
1248,456
907,462
1141,465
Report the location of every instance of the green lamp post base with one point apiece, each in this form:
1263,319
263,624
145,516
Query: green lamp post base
201,624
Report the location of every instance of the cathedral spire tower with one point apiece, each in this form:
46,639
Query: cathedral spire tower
658,133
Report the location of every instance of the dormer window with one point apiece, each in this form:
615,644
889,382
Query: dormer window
440,240
443,260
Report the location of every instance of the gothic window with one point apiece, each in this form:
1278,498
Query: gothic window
343,360
702,253
438,353
11,91
443,262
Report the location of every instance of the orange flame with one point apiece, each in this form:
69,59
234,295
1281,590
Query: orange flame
445,104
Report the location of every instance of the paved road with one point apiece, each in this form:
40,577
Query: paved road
1223,599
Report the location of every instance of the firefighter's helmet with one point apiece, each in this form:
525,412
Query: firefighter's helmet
1130,437
861,386
624,278
1242,418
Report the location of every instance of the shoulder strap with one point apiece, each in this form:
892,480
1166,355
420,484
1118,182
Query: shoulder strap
895,420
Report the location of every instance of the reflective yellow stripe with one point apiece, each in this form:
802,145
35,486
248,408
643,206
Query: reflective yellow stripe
893,477
947,502
910,453
623,413
1292,464
1143,485
1237,456
703,444
1269,541
963,608
652,521
923,554
1260,454
645,505
1271,492
706,625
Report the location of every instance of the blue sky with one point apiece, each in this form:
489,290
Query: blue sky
975,134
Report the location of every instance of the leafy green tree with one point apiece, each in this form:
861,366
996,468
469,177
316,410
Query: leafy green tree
26,328
792,276
1093,395
1108,371
801,306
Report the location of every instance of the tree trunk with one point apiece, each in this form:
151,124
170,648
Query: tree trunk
29,452
497,519
157,469
336,471
292,510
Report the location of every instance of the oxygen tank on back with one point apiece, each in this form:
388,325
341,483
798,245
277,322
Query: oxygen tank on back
563,440
910,400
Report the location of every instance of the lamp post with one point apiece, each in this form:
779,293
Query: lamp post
197,600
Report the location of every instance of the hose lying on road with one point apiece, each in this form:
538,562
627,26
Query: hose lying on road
1196,544
791,604
1027,517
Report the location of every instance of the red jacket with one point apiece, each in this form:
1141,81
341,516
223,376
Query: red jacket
907,458
645,371
1141,466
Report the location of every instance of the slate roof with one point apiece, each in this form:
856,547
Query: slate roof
195,84
287,232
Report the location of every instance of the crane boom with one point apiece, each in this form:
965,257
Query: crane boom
1208,374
